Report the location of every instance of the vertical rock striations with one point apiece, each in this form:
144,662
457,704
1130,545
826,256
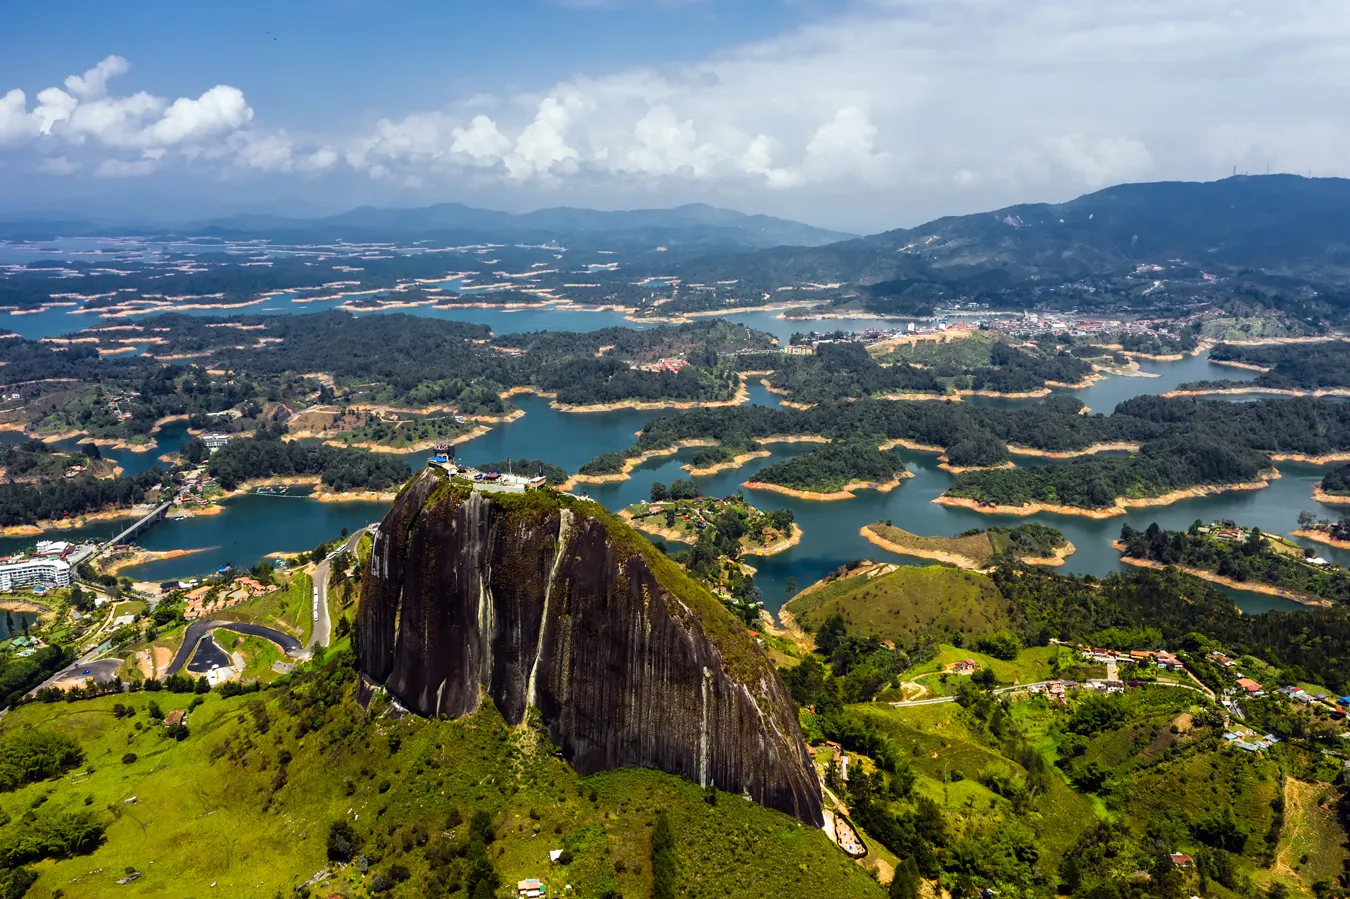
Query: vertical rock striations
545,601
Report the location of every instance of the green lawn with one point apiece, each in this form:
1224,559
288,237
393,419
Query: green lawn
908,602
214,810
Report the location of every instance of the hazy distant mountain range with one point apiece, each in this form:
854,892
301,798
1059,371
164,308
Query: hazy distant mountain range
1283,225
694,227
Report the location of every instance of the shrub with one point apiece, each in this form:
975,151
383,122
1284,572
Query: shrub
129,758
342,841
32,755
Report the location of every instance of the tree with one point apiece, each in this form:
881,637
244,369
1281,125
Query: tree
659,492
831,633
343,841
905,883
663,858
196,451
1306,519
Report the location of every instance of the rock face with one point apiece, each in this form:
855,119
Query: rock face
545,601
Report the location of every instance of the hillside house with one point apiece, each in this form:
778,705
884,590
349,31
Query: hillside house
1251,686
966,666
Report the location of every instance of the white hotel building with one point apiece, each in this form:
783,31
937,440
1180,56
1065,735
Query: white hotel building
32,572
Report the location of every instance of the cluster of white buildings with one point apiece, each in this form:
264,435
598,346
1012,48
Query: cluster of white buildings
39,571
489,481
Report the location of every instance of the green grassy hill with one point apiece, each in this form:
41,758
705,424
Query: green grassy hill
1024,793
906,603
245,804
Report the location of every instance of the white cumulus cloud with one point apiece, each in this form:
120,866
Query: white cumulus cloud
884,112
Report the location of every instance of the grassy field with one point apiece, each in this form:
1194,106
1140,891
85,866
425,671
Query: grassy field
1031,665
1312,844
259,654
971,351
949,756
975,549
908,602
290,609
222,807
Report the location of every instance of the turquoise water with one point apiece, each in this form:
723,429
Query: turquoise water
254,526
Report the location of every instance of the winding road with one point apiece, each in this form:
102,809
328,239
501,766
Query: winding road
198,629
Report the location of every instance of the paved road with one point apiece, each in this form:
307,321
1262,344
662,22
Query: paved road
101,671
198,629
207,656
322,634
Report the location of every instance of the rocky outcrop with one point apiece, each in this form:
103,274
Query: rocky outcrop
549,602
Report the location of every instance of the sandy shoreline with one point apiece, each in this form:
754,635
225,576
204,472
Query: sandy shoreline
1246,366
741,397
960,561
631,463
648,525
843,493
69,524
793,438
902,443
321,493
1249,586
1117,447
1331,499
1327,459
145,557
962,469
1271,391
1122,505
421,446
1320,537
734,462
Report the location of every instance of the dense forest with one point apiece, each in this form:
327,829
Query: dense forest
1253,558
1337,481
1096,482
1030,539
833,466
846,370
1183,442
1303,425
72,497
1322,365
282,363
266,455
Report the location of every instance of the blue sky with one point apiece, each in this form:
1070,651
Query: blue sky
859,115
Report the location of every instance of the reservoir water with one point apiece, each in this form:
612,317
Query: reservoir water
250,527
